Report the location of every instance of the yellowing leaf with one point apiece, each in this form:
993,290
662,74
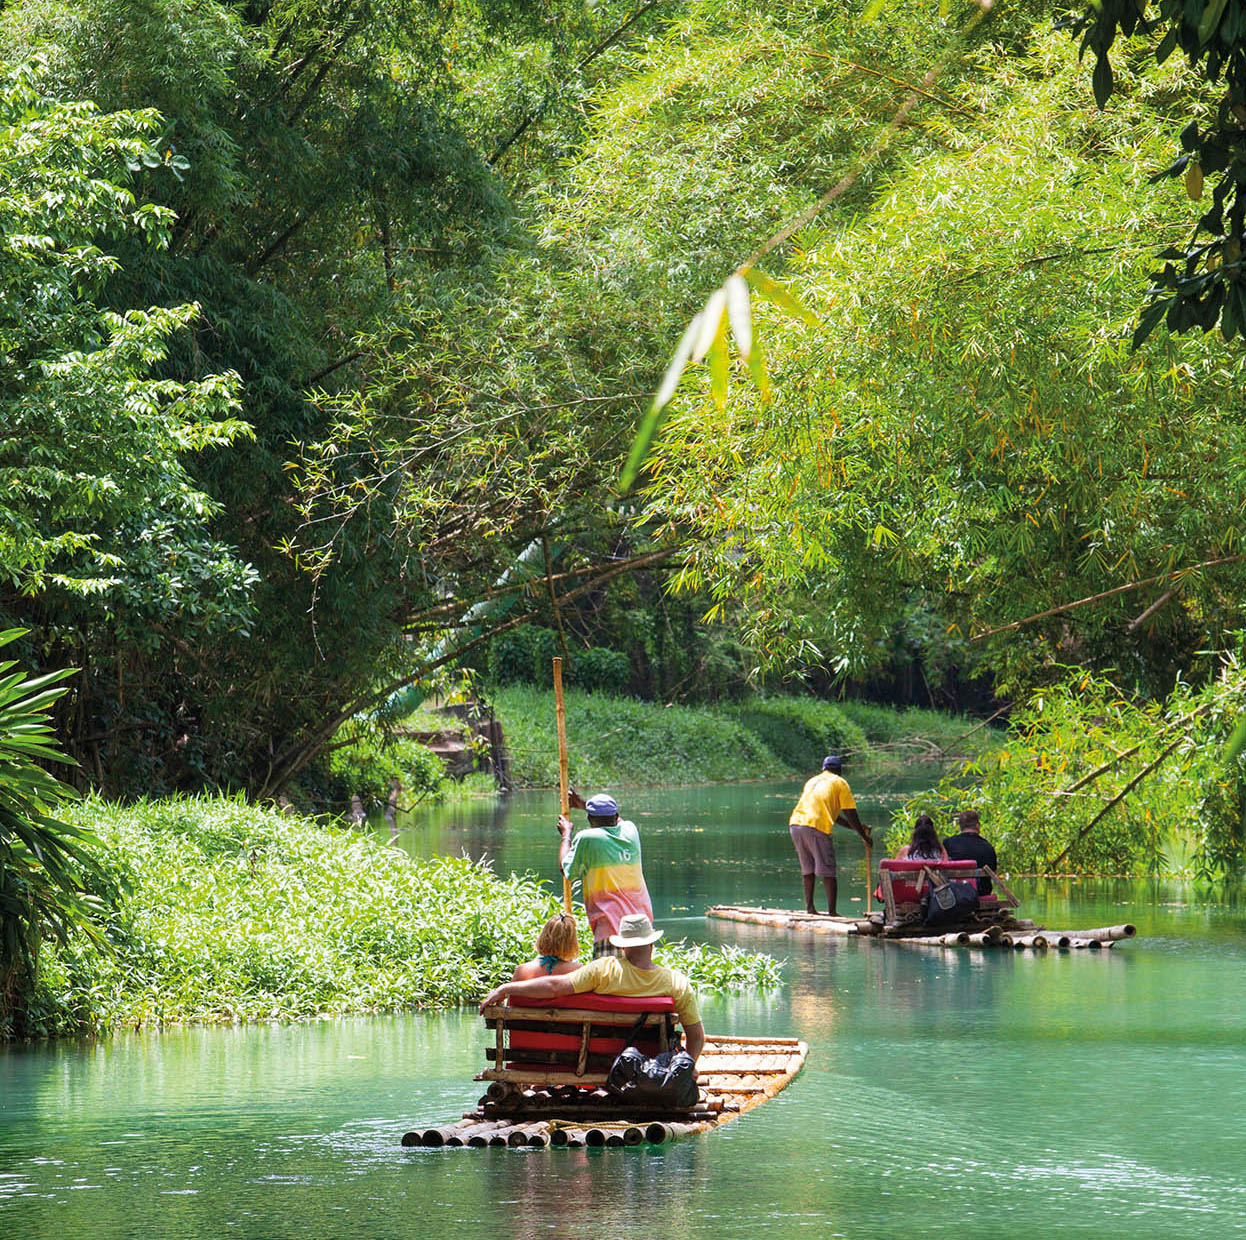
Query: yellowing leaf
780,296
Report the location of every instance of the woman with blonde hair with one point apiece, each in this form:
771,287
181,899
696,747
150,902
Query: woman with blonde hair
558,946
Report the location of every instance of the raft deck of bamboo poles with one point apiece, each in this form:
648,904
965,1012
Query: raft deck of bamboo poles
1020,934
734,1074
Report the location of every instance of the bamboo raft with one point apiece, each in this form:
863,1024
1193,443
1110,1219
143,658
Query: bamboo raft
1020,934
734,1074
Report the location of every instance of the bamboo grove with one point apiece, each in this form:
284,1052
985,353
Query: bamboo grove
356,307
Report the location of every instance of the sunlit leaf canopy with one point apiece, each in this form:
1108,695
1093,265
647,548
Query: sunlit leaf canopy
450,256
970,423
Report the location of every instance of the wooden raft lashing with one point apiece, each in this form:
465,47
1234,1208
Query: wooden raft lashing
548,1089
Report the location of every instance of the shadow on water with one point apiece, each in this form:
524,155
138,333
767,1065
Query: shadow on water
1065,1094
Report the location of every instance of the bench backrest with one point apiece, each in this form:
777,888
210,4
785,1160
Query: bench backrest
575,1038
906,884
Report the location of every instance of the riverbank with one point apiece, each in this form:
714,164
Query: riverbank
218,911
616,741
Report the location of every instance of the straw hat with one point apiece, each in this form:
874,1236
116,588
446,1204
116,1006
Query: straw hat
635,930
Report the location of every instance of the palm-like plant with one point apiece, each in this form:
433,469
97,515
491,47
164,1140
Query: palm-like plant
45,864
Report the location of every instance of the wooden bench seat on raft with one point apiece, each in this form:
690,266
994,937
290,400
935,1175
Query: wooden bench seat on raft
572,1040
901,884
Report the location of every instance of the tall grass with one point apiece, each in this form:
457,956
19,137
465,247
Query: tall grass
800,732
619,740
890,725
223,912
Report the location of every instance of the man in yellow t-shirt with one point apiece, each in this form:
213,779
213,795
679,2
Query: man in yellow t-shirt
634,975
825,800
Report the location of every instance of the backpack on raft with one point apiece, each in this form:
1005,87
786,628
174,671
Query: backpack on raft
951,903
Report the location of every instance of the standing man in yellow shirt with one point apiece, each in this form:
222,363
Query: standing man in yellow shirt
826,800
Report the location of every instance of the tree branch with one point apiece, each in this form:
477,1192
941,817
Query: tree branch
295,756
1106,594
608,42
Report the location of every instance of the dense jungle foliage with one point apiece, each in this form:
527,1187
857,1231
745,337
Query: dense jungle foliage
326,329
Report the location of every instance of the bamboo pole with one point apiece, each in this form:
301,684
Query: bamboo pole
1035,942
563,779
869,880
478,1135
1102,934
447,1134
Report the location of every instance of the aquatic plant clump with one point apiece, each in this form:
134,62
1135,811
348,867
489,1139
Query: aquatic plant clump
234,913
720,968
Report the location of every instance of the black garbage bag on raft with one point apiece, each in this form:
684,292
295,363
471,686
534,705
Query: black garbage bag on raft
949,904
667,1081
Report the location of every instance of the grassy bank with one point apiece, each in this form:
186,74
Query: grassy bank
620,741
220,911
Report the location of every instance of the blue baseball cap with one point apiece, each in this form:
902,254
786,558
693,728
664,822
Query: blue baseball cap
601,806
833,762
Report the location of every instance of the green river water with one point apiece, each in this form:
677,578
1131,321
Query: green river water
946,1093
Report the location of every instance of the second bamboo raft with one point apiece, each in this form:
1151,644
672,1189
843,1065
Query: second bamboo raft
1020,934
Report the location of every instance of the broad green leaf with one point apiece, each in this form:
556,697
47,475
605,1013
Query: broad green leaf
1211,19
1236,742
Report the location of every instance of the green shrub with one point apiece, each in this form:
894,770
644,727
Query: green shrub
801,731
599,670
523,655
369,764
618,740
241,913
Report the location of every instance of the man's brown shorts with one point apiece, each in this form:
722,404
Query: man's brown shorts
815,850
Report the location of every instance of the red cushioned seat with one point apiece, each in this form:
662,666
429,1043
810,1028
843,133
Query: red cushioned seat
904,890
525,1040
521,1041
590,1002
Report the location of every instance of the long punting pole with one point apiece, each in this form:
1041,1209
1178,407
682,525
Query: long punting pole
869,880
563,782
